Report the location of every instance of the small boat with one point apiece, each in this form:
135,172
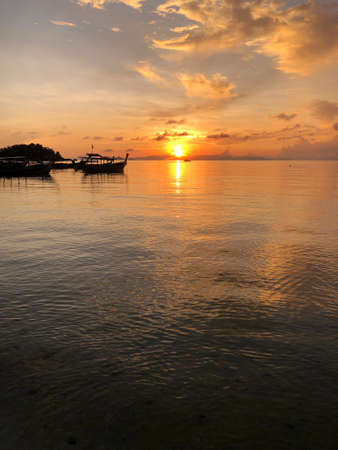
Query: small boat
96,163
19,166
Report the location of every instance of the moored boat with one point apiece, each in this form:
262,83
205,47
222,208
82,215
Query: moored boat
19,166
96,163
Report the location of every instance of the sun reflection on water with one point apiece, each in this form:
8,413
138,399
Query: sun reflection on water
178,177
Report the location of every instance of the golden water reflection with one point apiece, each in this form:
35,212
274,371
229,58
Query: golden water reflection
178,176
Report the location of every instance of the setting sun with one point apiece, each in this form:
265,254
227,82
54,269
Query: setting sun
178,151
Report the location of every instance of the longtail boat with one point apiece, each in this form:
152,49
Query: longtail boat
96,163
18,166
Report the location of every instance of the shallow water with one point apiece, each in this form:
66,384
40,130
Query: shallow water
178,306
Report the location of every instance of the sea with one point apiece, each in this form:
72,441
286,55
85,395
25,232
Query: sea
179,306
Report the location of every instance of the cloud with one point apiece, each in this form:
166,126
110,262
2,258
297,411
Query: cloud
182,29
118,138
218,136
198,85
144,69
93,138
294,132
17,137
327,150
181,43
62,133
300,37
306,40
161,137
286,117
167,134
139,138
197,105
324,110
176,122
222,24
99,4
61,23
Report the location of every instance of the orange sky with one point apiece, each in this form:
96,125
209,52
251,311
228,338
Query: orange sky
233,77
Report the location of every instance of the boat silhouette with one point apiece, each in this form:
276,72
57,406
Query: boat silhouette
19,166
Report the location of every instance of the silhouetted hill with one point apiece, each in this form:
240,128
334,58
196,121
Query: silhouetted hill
33,152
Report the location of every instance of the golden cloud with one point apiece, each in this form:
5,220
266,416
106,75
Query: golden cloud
182,29
144,69
300,38
198,85
180,43
222,24
99,4
61,23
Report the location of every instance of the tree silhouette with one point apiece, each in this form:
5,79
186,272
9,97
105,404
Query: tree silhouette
33,152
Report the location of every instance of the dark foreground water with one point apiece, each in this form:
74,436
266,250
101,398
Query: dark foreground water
180,306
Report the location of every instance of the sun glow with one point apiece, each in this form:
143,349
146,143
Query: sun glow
178,151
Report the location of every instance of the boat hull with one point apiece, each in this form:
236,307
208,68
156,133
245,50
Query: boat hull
104,168
35,170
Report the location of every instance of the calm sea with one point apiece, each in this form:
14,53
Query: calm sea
178,306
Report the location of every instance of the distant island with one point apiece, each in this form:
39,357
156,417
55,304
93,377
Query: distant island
33,152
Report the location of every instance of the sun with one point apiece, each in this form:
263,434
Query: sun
178,151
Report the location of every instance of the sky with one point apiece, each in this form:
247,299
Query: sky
212,77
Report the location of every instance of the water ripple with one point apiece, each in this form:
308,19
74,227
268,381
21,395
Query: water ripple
132,304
